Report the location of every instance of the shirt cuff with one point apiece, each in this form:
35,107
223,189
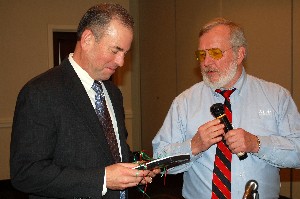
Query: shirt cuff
104,190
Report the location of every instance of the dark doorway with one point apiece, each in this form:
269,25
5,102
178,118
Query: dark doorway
63,44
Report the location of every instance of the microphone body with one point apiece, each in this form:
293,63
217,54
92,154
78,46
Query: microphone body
217,111
251,190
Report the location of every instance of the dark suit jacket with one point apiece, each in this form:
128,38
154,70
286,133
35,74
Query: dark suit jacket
58,148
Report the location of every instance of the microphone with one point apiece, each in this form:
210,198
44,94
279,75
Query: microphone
217,110
251,190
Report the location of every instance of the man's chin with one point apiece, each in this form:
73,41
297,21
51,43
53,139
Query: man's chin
109,74
213,85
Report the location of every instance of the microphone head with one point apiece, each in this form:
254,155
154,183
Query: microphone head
252,184
217,109
251,190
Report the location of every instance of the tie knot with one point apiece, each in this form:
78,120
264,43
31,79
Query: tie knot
97,87
226,93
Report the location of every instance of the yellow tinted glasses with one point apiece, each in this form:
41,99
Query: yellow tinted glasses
215,53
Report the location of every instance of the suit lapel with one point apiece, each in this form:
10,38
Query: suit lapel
81,102
119,114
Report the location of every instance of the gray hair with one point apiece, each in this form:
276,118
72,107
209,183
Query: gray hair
237,37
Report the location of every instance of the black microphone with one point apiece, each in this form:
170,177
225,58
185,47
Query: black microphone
251,190
217,110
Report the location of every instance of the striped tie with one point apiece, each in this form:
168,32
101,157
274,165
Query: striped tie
221,186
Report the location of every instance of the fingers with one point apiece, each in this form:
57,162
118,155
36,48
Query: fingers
122,175
155,171
215,135
208,134
234,142
148,179
240,141
145,180
146,176
213,129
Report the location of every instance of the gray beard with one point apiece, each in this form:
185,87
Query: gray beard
224,79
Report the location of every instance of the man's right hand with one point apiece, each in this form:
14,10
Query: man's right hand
122,175
208,134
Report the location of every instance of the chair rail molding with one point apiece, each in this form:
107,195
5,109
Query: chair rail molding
6,122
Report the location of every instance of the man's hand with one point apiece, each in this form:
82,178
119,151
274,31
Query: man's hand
122,175
239,140
208,134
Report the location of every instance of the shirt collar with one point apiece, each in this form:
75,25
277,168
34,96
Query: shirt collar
241,81
84,77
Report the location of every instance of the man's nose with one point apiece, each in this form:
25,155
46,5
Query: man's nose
119,59
207,60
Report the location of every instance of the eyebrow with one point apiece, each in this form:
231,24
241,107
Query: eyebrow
120,49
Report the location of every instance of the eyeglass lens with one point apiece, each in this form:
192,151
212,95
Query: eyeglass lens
214,53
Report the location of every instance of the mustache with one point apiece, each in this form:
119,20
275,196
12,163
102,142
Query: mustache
210,69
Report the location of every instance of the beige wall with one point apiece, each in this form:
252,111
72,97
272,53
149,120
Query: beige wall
296,53
168,37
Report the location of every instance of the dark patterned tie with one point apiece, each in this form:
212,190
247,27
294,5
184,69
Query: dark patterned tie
104,118
221,186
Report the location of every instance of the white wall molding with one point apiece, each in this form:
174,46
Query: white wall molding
6,122
128,114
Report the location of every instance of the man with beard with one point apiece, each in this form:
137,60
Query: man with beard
265,120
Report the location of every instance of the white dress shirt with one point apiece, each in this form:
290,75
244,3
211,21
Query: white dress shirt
87,82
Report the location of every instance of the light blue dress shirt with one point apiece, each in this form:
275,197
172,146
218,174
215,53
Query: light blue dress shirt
262,108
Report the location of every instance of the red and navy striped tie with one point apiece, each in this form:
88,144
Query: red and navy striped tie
221,183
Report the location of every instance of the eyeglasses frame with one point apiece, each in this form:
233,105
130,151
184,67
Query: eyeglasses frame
223,51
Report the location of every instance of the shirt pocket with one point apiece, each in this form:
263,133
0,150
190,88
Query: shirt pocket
262,126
